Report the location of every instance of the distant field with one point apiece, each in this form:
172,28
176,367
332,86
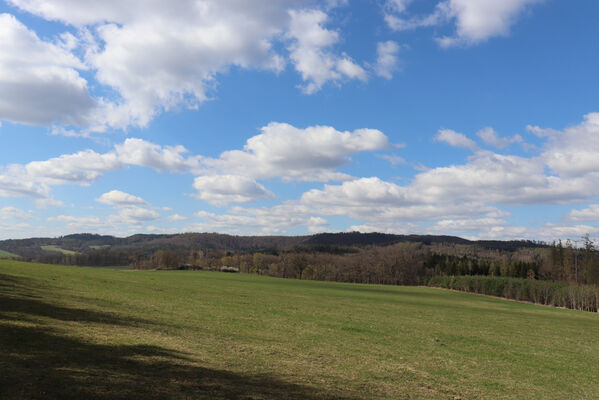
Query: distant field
71,332
6,254
58,249
100,247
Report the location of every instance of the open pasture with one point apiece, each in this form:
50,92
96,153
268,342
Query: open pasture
70,332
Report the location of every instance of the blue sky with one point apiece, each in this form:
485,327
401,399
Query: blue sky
462,117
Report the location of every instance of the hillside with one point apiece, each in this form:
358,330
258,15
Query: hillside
37,248
74,333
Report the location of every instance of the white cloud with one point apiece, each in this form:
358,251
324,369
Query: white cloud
397,23
455,139
386,61
281,150
131,209
310,42
388,227
490,137
470,225
79,168
79,222
221,190
134,215
48,202
310,154
13,213
120,199
393,159
158,58
475,21
500,179
149,59
591,213
279,219
575,150
550,232
397,5
360,192
14,184
177,217
39,81
146,154
274,223
127,219
372,199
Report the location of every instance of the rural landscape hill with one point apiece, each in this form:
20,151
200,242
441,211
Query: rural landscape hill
38,248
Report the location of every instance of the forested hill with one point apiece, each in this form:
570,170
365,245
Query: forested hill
36,248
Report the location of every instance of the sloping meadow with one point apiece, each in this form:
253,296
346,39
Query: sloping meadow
72,332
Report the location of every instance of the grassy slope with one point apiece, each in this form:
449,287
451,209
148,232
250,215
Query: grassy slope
58,250
71,332
6,254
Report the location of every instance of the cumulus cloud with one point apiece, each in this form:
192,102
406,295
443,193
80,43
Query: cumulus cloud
574,151
79,222
13,213
157,58
310,154
279,219
130,209
455,139
467,225
146,154
281,150
373,199
80,168
490,137
48,202
40,81
127,219
149,58
310,54
551,231
13,183
475,21
591,213
35,179
134,215
500,179
221,190
386,61
120,199
177,217
360,192
461,199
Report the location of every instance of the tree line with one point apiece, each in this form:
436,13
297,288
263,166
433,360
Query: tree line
400,263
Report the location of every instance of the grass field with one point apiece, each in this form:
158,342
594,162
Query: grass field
69,332
100,247
58,249
6,254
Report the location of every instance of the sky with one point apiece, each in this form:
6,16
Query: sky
475,118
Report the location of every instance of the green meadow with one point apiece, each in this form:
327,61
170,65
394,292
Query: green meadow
58,250
6,254
71,332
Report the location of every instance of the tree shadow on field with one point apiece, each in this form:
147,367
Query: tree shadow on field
38,362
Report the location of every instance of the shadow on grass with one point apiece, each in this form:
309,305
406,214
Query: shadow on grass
38,362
